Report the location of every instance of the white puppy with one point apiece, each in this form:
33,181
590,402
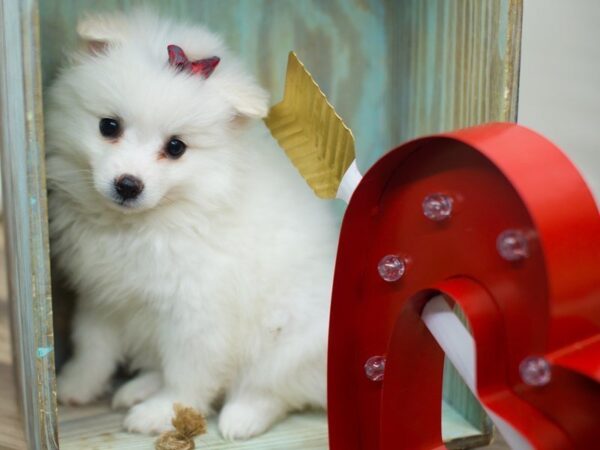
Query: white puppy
199,255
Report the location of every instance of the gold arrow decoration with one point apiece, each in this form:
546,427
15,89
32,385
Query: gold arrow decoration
312,134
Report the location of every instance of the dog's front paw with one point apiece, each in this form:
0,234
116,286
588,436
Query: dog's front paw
152,416
136,390
242,419
75,388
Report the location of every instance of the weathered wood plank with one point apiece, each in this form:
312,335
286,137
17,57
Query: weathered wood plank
12,434
96,426
12,431
457,64
25,215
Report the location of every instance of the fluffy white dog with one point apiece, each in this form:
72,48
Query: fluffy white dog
200,257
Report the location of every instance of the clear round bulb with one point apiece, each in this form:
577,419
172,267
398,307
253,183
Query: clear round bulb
437,207
513,245
535,371
391,268
375,368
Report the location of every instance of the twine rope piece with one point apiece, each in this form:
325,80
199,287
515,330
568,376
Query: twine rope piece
188,423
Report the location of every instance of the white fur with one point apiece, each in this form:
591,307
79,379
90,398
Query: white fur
216,282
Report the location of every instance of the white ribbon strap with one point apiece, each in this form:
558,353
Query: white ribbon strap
349,183
459,346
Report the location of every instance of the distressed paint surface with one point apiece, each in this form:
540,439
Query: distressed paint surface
24,189
457,64
342,42
97,426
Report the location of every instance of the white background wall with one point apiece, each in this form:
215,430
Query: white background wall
559,92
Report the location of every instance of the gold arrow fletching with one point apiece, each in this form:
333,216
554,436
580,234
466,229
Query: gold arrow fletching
312,134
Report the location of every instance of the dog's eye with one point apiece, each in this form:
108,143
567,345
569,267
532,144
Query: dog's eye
110,128
175,148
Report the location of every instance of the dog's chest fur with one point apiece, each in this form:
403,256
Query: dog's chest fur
234,272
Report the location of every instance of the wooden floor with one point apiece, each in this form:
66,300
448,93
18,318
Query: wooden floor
96,427
11,430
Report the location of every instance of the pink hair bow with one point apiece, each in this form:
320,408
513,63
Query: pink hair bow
204,67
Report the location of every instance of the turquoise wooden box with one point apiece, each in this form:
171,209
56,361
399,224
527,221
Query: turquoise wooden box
394,70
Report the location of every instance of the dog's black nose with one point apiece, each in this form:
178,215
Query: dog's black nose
128,187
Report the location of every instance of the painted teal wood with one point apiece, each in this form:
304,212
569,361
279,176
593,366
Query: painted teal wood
25,218
343,42
456,66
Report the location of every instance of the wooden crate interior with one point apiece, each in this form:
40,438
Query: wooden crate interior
412,68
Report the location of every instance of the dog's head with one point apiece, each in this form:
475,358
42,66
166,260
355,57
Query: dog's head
132,125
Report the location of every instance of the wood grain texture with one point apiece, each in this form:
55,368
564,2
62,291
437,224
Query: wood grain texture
98,427
457,63
24,191
12,428
342,42
12,436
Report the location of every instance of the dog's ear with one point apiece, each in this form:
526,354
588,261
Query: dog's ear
245,95
98,32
